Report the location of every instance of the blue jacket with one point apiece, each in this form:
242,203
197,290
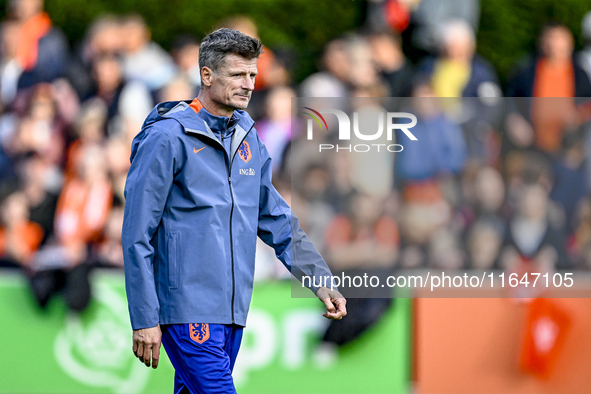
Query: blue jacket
442,149
192,216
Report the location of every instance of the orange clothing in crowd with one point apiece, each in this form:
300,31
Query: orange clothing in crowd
423,192
554,80
73,158
341,232
82,211
550,115
24,237
264,63
28,45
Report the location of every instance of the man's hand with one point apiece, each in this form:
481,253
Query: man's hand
146,345
334,301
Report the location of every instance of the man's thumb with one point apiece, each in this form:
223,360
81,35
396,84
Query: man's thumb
329,305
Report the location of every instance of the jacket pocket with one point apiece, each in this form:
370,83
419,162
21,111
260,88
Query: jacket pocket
173,266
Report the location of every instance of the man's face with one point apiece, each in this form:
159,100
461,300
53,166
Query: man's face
232,85
557,43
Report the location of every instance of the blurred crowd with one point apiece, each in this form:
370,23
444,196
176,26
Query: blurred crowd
500,179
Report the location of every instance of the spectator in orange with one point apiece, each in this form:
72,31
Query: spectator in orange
82,212
556,79
19,238
84,205
42,52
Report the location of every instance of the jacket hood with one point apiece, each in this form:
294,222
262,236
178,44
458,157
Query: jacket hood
184,114
192,123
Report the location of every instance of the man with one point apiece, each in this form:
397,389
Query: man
198,193
42,53
553,78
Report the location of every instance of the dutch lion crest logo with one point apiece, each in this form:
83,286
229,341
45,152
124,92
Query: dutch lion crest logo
244,152
199,332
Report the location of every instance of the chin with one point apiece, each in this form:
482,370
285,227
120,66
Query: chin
240,104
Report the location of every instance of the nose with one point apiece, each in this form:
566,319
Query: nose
248,83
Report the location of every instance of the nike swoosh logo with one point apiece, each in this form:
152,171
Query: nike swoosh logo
197,150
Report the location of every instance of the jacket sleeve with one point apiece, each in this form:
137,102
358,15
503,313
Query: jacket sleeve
280,228
149,181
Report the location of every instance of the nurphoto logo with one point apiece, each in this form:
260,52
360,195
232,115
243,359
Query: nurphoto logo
389,118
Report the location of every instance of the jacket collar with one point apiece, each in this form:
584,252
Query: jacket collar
202,122
217,124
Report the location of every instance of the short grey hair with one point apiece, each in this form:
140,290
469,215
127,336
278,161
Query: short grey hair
453,29
216,45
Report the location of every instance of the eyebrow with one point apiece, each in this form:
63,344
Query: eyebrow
242,72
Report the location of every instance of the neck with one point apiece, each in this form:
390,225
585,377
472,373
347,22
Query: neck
557,61
212,107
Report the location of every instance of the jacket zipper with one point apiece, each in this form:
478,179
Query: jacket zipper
231,214
229,172
232,241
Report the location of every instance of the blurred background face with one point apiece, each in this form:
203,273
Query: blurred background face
444,252
25,9
34,172
366,209
484,245
316,181
458,42
92,167
363,71
243,24
42,105
107,73
14,209
178,89
135,35
534,202
337,60
425,102
117,154
386,51
557,44
279,103
114,224
490,189
10,36
188,56
107,37
91,120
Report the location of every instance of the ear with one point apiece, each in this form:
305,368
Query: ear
206,76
